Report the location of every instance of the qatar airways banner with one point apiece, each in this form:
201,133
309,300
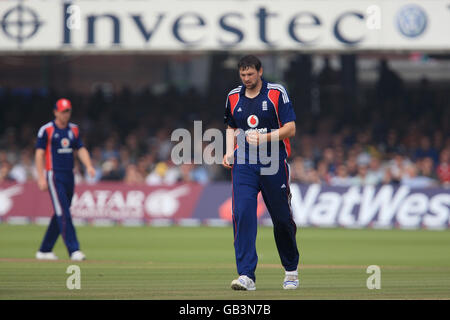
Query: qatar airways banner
312,205
198,25
113,201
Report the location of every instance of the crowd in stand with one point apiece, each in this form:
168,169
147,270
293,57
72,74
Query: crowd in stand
370,136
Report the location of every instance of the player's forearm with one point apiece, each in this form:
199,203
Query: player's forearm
85,158
286,131
230,140
39,159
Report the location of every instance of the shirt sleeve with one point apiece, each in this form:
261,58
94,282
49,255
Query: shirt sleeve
228,118
285,109
41,142
78,143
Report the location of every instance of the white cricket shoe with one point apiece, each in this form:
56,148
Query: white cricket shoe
290,282
46,256
243,283
77,256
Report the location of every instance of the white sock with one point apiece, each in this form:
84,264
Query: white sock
291,273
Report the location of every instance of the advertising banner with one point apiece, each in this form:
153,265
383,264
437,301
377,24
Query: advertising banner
114,201
379,207
312,205
183,25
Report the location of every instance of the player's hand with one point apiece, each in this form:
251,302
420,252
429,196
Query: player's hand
42,184
91,172
254,138
228,160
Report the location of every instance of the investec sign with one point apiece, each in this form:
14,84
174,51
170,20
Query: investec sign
85,25
382,207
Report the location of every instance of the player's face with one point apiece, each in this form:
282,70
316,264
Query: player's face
63,116
250,77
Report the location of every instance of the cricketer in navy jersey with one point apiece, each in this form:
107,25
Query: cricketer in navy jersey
55,146
260,115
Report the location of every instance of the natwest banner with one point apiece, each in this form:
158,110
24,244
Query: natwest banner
369,206
179,25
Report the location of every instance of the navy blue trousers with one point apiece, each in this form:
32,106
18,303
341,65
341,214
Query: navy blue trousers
247,183
61,187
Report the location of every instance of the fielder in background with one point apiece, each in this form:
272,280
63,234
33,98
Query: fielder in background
260,114
56,142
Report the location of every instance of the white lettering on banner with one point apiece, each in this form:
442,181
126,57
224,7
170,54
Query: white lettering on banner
411,210
325,212
89,25
301,206
6,202
127,204
350,199
440,212
364,206
382,203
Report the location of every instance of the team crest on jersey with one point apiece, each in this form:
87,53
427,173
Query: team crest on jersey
65,142
264,105
70,135
252,121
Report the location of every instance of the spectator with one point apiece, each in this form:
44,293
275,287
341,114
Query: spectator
164,173
24,170
375,172
156,177
397,167
298,171
110,149
111,170
443,169
5,170
322,172
341,179
133,176
412,179
381,135
426,150
200,174
361,178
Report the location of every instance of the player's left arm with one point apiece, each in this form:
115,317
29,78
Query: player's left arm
286,117
85,158
286,131
83,155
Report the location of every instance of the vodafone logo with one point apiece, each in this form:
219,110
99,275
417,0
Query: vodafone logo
252,121
65,142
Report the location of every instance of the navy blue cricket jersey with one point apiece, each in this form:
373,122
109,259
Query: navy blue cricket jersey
266,112
58,145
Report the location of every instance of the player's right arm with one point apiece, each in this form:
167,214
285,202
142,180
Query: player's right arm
230,141
228,158
39,157
40,166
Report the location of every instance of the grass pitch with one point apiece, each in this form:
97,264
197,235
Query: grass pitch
177,263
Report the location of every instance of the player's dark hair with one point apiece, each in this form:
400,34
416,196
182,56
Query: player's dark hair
249,61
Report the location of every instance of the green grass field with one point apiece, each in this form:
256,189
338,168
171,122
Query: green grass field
198,263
